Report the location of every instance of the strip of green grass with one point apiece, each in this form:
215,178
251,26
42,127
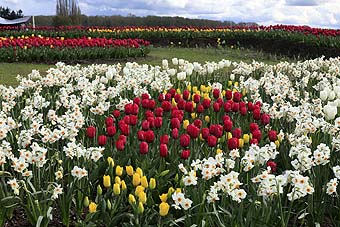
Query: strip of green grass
9,71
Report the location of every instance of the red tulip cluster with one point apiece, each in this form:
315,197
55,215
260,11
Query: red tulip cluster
83,42
161,119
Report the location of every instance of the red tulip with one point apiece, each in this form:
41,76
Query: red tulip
116,113
257,134
149,136
126,119
199,108
205,133
163,150
161,97
254,141
193,131
189,107
235,106
243,111
227,125
181,104
159,112
91,132
136,101
212,141
237,96
265,119
168,97
186,94
237,132
166,105
102,140
233,143
145,96
164,139
184,140
206,103
197,98
175,123
227,107
145,103
124,128
185,154
177,97
256,114
272,135
216,93
216,107
120,145
272,166
198,123
140,135
158,122
143,147
111,131
174,133
133,119
109,121
228,94
152,104
253,127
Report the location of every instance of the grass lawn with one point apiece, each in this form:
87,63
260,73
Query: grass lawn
9,71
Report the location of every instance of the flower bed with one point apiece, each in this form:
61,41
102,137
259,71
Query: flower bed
223,143
36,49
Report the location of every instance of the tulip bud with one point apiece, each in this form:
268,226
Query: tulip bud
163,197
116,189
152,183
140,208
86,201
108,205
99,190
246,138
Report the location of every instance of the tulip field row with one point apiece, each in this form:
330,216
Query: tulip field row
181,144
38,48
291,41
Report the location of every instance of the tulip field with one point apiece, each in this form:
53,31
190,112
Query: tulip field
182,143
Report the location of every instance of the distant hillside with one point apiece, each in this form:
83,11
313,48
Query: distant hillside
137,21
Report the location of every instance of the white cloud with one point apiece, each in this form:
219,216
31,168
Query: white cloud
324,13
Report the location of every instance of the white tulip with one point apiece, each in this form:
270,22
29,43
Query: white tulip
330,111
126,71
181,61
188,71
210,69
232,76
172,72
331,95
104,80
323,95
174,61
181,76
165,64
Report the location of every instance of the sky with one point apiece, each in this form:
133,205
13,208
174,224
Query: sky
316,13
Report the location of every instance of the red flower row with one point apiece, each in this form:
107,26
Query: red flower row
71,43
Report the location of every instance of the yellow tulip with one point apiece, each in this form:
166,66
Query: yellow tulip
136,179
240,143
92,207
194,89
219,151
185,124
229,135
139,189
107,181
142,197
171,190
119,170
118,180
163,197
139,171
144,182
164,209
152,183
193,115
207,118
116,189
129,170
246,138
123,185
132,199
277,143
110,161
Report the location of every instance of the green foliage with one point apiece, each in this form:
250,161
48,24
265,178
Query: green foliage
10,15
